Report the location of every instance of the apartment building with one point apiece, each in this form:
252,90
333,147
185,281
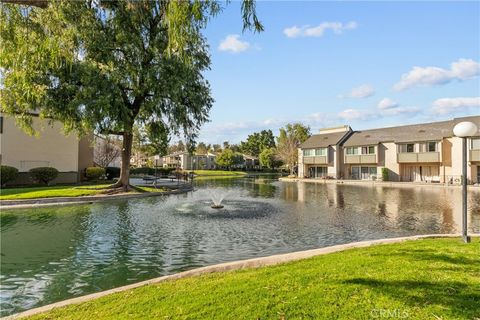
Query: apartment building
51,148
187,161
425,152
320,156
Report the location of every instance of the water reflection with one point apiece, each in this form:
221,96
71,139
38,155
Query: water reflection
50,254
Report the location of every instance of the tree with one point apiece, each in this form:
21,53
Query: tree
291,136
225,159
257,142
216,148
202,148
109,65
107,149
268,158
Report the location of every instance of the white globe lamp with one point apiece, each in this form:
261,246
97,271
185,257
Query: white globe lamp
464,130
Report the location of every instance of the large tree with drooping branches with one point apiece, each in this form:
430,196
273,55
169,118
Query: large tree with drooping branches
108,66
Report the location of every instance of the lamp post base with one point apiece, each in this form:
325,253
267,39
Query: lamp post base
467,239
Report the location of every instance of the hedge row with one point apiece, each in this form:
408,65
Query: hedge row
46,174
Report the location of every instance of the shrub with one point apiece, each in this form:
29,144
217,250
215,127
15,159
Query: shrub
43,174
7,174
94,173
385,174
112,172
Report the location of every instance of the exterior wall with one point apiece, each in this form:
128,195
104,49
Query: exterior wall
332,169
85,154
389,160
301,167
50,149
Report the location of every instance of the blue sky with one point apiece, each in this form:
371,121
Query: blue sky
366,64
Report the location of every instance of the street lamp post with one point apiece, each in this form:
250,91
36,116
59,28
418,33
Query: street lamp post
464,130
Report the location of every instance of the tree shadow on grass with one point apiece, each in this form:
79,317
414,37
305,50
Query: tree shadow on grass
433,256
460,299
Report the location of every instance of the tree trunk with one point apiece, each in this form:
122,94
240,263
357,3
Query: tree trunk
124,179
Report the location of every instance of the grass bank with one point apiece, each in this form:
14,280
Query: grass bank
61,191
425,279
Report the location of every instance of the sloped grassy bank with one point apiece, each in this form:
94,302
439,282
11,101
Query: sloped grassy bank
423,279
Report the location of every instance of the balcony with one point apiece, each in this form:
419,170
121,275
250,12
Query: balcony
418,157
475,155
360,158
315,160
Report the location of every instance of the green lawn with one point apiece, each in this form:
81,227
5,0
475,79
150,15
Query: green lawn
60,191
427,279
218,173
49,192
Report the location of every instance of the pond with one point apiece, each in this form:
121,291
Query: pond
51,254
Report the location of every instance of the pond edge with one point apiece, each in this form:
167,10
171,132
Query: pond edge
230,266
62,201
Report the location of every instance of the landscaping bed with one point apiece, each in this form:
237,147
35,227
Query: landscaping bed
423,279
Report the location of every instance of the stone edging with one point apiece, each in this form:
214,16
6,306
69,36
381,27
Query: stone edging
60,201
229,266
378,183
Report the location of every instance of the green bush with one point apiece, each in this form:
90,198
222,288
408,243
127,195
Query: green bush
112,172
94,173
43,174
7,174
385,174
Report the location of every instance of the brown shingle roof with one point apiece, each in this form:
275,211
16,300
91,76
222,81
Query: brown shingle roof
324,140
410,133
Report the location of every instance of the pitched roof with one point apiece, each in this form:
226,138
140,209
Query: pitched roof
433,131
324,140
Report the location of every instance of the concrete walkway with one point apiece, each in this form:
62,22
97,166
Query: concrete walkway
229,266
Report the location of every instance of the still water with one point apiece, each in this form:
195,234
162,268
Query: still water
51,254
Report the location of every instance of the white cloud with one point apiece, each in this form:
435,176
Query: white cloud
363,91
460,70
385,108
399,111
319,31
448,105
355,114
233,44
387,103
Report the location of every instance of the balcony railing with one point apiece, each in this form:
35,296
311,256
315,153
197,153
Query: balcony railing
315,160
360,158
418,157
475,155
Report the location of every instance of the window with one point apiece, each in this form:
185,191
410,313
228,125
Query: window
431,146
476,144
352,150
364,173
1,124
321,152
368,150
408,147
308,152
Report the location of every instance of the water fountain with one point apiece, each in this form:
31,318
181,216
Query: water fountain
217,198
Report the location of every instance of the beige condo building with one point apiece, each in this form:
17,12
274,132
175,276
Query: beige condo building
50,148
425,152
